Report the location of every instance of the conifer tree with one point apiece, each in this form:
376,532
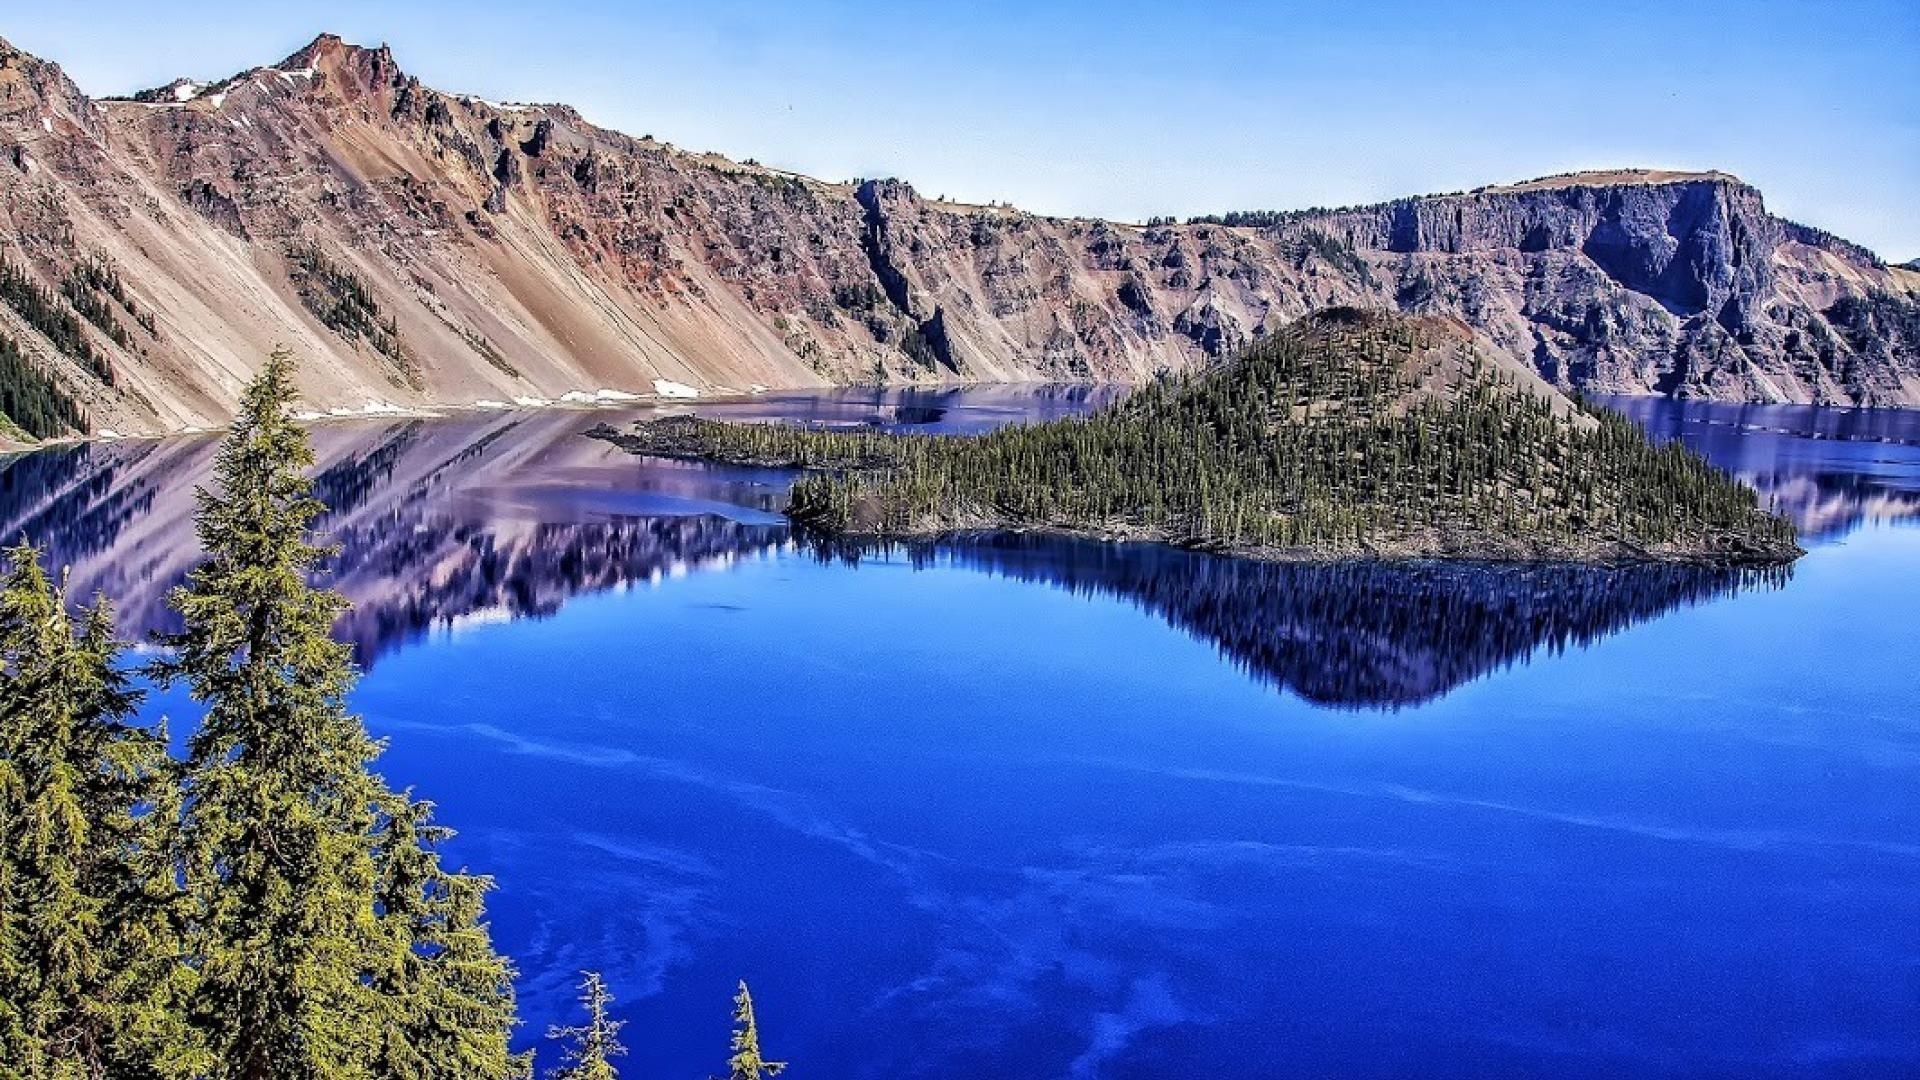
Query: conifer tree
292,849
89,979
592,1046
279,815
747,1063
448,994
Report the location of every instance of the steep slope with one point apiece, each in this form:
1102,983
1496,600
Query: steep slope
419,247
1636,281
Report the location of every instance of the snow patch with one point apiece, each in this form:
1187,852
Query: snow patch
489,403
109,433
532,402
497,106
295,73
605,394
670,389
756,388
307,414
577,397
187,91
219,99
47,123
382,408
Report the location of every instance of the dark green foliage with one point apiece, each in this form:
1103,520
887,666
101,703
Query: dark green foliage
1249,219
89,986
481,344
447,996
266,909
327,940
31,399
1348,434
89,285
592,1046
918,349
344,304
280,805
43,310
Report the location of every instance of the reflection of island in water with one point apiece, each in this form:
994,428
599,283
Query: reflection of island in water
1357,634
509,515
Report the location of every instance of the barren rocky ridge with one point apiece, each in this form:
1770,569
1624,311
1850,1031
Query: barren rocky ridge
423,248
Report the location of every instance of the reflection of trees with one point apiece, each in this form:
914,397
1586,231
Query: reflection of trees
416,546
444,520
72,497
435,571
1361,635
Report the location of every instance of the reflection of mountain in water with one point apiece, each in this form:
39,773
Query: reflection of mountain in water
1830,470
443,571
436,521
509,515
1361,634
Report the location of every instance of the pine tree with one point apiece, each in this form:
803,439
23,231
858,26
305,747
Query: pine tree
327,935
280,805
89,982
595,1044
746,1063
449,995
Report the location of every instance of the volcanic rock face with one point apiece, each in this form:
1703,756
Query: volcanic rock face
417,247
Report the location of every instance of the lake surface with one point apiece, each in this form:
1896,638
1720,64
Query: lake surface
1043,809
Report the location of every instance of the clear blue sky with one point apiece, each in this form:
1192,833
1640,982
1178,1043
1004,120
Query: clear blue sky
1127,109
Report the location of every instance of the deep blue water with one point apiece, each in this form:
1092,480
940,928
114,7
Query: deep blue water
1058,810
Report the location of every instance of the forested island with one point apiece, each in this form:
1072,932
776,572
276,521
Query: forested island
1350,434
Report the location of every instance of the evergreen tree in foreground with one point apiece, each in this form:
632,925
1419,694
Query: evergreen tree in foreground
449,996
89,980
326,936
746,1063
592,1046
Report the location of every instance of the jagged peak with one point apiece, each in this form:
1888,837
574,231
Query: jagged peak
330,51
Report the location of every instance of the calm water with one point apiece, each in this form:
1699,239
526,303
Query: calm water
1060,810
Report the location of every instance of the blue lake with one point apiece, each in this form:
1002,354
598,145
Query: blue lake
1043,809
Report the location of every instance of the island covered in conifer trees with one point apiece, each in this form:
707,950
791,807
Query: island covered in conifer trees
1349,434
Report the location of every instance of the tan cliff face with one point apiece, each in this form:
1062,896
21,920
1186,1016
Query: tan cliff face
418,248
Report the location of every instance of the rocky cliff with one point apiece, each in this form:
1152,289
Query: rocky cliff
422,248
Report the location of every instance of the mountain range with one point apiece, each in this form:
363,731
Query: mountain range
419,248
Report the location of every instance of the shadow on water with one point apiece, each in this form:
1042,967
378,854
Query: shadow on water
1358,635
